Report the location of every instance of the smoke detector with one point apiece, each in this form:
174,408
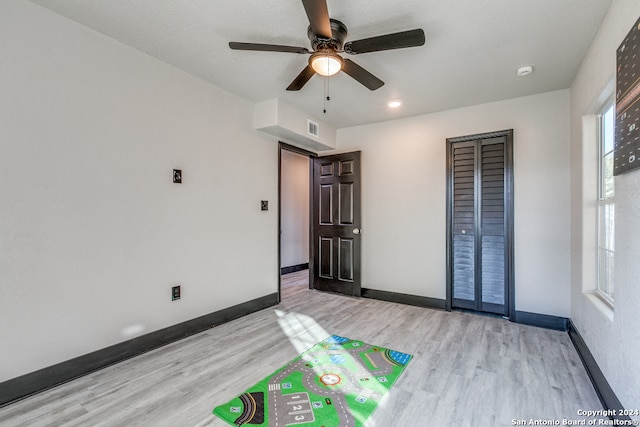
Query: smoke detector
525,71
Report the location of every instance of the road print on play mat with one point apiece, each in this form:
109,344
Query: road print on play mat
338,381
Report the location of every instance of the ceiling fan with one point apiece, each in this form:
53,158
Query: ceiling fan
327,40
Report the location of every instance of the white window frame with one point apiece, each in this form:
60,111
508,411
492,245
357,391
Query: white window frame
606,209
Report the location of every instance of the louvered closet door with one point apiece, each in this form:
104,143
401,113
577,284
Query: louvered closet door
492,230
478,225
464,225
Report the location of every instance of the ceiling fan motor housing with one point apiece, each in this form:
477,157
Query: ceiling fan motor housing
338,35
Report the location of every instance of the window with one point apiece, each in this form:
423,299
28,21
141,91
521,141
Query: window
606,205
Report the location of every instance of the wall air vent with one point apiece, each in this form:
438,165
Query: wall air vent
313,128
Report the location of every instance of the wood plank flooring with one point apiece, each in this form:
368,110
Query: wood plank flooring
468,370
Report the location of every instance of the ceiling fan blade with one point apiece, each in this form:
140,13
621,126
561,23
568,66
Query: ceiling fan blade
361,75
267,47
318,15
302,79
399,40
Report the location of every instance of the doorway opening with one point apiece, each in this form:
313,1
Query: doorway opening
319,219
294,216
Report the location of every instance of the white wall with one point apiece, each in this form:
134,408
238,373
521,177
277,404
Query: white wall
294,209
404,197
93,233
612,336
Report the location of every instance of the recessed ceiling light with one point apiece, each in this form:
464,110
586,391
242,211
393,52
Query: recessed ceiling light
525,71
394,104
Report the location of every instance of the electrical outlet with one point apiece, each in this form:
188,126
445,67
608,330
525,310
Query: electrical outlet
177,176
264,205
175,293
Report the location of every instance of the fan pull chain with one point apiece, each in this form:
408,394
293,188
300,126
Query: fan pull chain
326,94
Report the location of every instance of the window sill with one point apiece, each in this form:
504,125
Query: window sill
603,307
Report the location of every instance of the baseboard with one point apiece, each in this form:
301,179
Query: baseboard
46,378
294,268
604,391
542,320
523,317
408,299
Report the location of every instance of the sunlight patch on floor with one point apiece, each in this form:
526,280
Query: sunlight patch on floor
303,331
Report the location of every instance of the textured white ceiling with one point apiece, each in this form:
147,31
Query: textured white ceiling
472,52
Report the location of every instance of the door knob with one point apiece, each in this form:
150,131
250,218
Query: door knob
356,231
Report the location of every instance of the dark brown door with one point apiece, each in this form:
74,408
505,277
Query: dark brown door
336,223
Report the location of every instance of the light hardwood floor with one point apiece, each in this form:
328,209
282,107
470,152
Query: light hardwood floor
467,370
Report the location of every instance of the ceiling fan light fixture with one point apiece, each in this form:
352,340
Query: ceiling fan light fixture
326,63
